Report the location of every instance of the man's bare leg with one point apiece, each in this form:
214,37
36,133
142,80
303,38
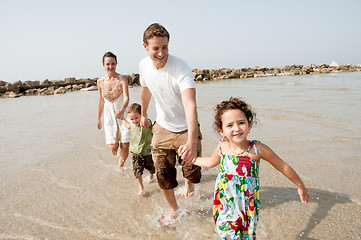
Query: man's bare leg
172,203
189,189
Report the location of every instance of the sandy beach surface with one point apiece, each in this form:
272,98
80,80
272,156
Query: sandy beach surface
58,180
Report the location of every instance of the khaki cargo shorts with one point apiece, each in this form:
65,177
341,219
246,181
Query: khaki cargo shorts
165,146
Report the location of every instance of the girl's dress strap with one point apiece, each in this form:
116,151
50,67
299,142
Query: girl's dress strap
253,142
219,145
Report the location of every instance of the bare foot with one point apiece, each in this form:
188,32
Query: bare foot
121,162
189,189
151,178
141,191
167,221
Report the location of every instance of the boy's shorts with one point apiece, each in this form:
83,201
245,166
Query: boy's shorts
140,162
165,146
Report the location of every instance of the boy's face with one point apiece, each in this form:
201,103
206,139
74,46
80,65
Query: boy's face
134,117
157,49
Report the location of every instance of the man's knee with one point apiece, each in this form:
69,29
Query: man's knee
167,178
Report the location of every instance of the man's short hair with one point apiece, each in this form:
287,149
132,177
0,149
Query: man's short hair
155,30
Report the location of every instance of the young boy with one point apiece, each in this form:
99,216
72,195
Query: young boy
140,145
176,132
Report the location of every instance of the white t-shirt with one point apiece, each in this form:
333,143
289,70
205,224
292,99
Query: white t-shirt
166,85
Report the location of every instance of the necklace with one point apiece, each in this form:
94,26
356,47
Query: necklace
229,145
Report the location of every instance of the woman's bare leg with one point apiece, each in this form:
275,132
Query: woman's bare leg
113,148
124,152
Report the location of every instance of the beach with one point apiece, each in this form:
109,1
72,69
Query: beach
58,180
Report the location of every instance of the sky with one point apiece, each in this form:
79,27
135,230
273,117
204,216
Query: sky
45,39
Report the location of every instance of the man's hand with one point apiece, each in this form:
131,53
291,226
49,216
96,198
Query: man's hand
188,152
144,122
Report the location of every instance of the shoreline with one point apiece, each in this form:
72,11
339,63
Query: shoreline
51,87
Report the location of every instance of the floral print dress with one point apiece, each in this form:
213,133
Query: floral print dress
236,196
113,127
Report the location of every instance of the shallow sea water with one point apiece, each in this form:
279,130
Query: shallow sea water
59,181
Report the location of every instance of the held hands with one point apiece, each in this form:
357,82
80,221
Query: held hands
119,114
144,122
188,152
303,193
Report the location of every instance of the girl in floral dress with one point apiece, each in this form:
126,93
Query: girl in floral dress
236,195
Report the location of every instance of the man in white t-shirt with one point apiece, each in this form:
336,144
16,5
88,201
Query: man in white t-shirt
176,131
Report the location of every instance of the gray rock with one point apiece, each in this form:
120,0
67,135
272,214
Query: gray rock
68,88
60,90
69,80
45,91
18,83
31,92
76,87
92,88
57,82
32,84
12,88
10,94
2,89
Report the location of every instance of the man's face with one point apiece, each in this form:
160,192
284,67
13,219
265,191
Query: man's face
157,49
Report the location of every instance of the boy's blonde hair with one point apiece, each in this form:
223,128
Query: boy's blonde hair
135,107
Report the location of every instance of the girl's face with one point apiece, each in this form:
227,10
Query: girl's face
109,64
134,117
235,126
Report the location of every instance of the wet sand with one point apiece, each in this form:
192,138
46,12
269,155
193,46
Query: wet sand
75,207
58,180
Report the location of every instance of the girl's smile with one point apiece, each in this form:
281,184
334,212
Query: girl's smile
235,127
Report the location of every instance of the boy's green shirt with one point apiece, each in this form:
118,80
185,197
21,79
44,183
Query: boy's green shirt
141,138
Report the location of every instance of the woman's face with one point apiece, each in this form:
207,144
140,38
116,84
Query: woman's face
109,64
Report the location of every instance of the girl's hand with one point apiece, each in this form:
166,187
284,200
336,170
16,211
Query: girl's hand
188,152
99,125
303,193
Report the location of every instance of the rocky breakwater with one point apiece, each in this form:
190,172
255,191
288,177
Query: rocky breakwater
227,73
50,87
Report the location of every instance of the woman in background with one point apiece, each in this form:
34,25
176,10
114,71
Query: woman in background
113,101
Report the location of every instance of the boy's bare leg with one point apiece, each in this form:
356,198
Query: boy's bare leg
141,187
189,189
151,178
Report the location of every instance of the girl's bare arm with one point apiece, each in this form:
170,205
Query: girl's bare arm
209,162
267,154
